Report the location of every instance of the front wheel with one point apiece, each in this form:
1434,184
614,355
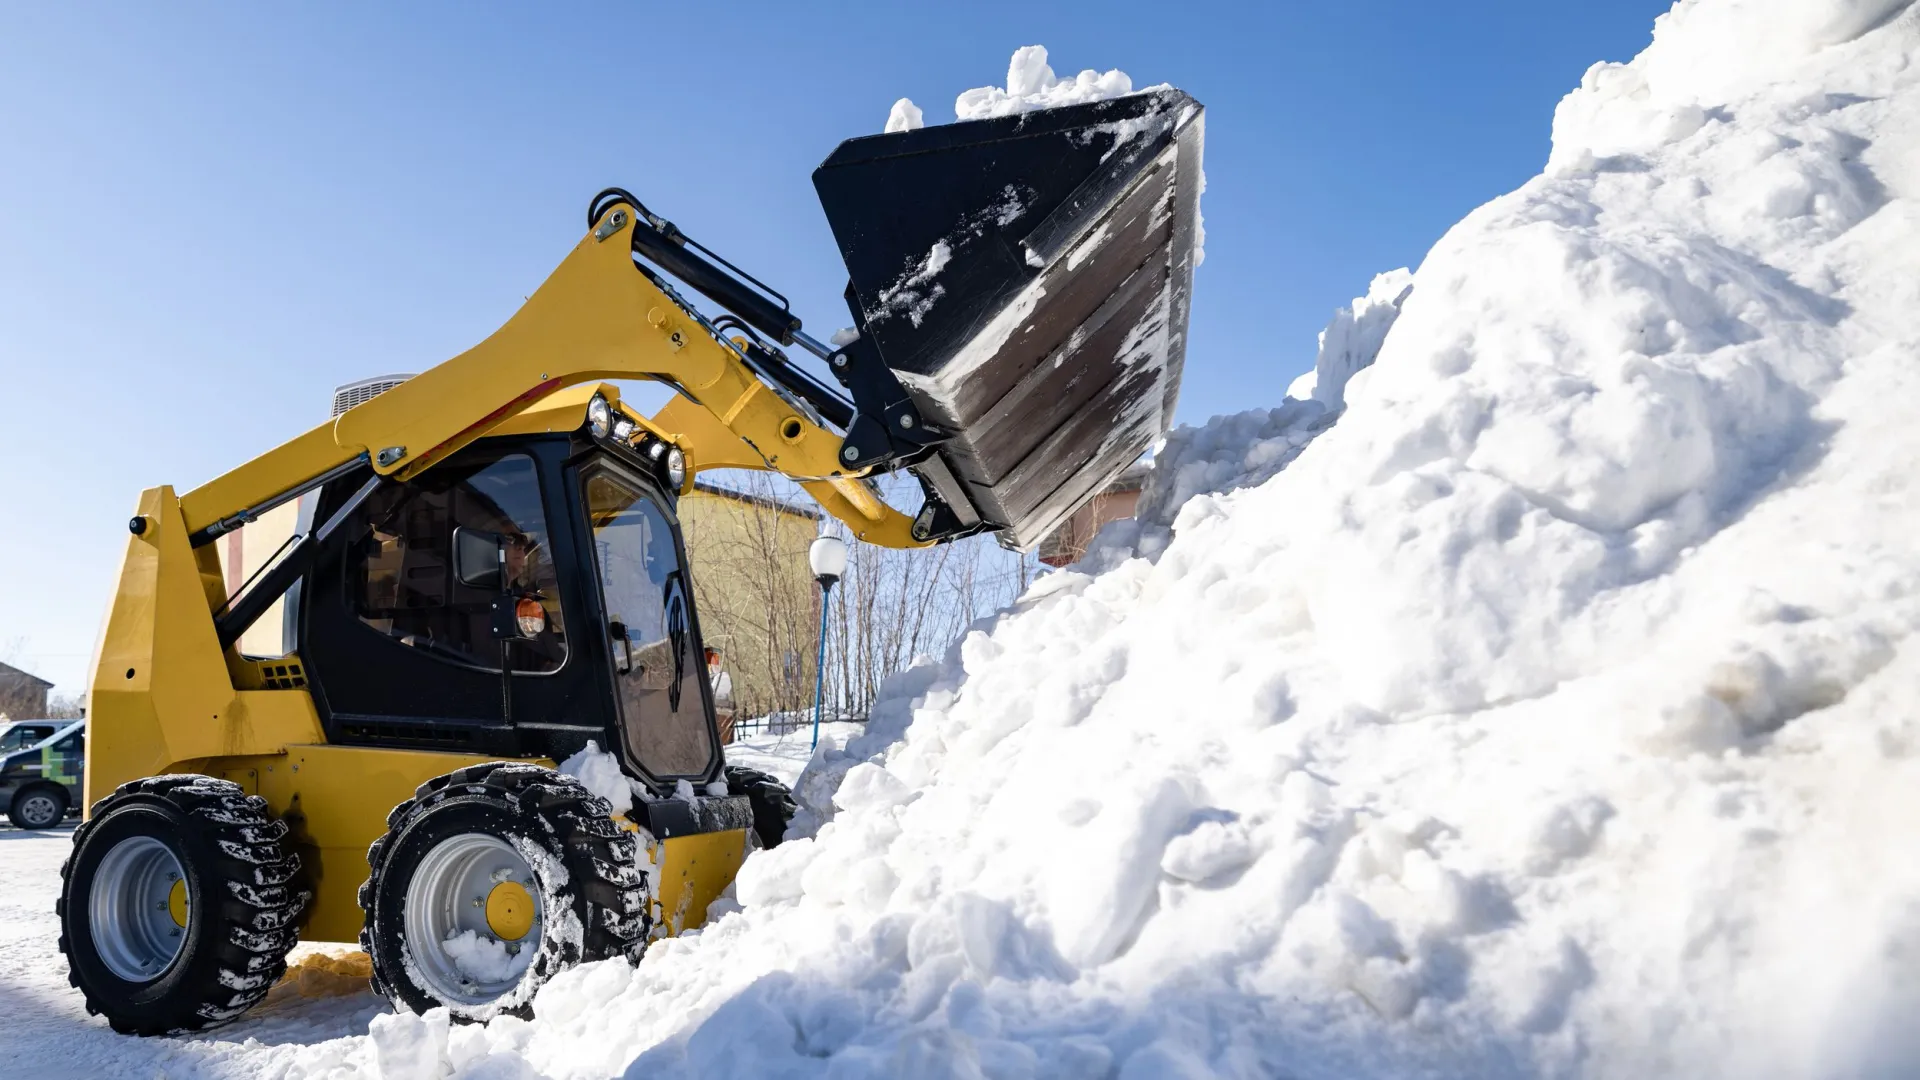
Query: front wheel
177,906
491,880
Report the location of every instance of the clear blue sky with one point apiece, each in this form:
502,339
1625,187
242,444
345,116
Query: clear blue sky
209,216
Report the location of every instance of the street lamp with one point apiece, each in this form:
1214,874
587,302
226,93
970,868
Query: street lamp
828,557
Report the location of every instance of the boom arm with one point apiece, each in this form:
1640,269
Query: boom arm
596,317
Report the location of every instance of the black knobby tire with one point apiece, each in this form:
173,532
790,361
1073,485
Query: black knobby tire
29,809
772,801
602,890
242,903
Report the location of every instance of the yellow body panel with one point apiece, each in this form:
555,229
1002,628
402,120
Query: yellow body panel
594,318
335,801
691,872
161,692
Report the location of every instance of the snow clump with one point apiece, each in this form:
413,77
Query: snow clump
1031,85
1353,339
905,116
599,772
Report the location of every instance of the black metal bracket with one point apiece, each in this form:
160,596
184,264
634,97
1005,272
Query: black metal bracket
887,428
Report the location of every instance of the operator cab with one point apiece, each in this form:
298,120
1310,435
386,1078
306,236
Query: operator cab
526,596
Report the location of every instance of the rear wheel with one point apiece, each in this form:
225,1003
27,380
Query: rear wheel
772,801
40,807
177,906
491,880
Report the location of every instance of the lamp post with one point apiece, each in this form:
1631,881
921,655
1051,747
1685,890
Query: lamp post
828,557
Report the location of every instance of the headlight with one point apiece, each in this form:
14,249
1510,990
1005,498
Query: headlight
600,416
676,469
623,429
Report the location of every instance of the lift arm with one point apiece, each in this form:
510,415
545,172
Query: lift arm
598,316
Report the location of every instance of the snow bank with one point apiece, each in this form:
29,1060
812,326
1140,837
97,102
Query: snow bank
1551,713
1352,340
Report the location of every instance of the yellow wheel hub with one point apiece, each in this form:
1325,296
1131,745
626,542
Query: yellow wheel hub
177,902
509,911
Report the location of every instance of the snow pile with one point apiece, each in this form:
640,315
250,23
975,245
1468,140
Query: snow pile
1352,340
1249,448
1031,85
1551,714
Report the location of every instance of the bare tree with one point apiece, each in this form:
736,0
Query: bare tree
759,604
898,606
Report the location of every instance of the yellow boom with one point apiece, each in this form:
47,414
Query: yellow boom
595,317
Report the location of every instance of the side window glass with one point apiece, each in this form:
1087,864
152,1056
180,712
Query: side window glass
64,760
649,605
400,573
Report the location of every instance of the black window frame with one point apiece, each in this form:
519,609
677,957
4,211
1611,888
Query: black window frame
632,473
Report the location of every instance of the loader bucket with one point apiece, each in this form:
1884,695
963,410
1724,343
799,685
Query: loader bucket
1027,279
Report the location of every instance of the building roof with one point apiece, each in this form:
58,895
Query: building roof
771,503
9,670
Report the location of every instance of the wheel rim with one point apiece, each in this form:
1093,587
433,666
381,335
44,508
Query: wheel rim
138,908
40,810
467,900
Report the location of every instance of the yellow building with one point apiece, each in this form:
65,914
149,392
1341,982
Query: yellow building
755,594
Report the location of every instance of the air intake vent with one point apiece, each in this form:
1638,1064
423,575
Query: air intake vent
356,393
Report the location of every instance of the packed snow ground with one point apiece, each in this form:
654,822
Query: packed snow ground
1543,704
46,1034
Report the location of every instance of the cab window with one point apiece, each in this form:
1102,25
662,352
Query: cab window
659,676
401,575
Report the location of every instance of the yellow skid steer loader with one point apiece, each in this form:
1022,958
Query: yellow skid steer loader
490,573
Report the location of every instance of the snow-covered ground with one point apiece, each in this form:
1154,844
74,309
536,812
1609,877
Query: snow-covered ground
784,754
1541,704
46,1034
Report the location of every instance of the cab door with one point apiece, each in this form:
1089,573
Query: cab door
652,633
